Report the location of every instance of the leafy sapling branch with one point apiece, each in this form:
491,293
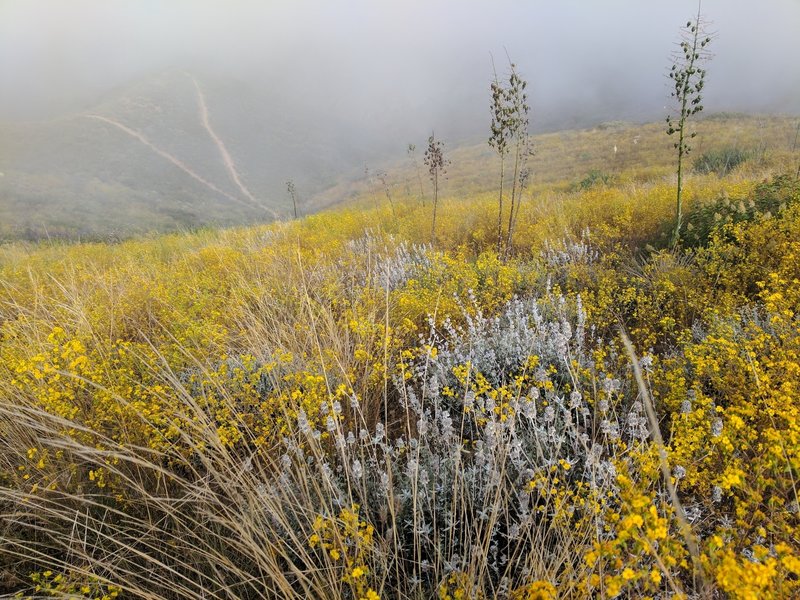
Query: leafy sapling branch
437,166
498,140
518,122
509,130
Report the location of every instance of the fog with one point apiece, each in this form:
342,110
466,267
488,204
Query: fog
398,68
151,115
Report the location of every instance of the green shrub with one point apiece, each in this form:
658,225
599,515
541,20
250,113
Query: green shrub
769,198
593,178
721,161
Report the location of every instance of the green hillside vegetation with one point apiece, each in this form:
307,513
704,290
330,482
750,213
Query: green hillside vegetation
343,407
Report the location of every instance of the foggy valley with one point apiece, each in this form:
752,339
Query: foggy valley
319,95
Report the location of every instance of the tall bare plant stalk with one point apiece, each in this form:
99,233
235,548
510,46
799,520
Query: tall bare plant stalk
688,81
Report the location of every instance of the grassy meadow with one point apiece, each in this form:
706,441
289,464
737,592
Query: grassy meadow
345,406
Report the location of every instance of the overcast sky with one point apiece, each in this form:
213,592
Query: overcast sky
386,61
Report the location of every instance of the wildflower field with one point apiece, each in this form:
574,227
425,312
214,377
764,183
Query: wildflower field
344,407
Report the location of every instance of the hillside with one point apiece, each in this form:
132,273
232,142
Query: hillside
345,406
175,150
563,159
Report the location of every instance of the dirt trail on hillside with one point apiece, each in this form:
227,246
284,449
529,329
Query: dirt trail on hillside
227,159
164,154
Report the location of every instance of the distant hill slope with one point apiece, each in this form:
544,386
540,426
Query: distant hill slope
171,151
569,158
181,150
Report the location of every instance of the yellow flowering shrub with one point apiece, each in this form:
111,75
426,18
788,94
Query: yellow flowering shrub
348,542
536,590
477,416
641,549
49,584
457,586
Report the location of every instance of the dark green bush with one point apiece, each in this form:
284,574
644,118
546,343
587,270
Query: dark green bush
721,161
769,198
593,178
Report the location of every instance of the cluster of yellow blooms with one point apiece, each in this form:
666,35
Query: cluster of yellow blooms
50,584
347,540
457,586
